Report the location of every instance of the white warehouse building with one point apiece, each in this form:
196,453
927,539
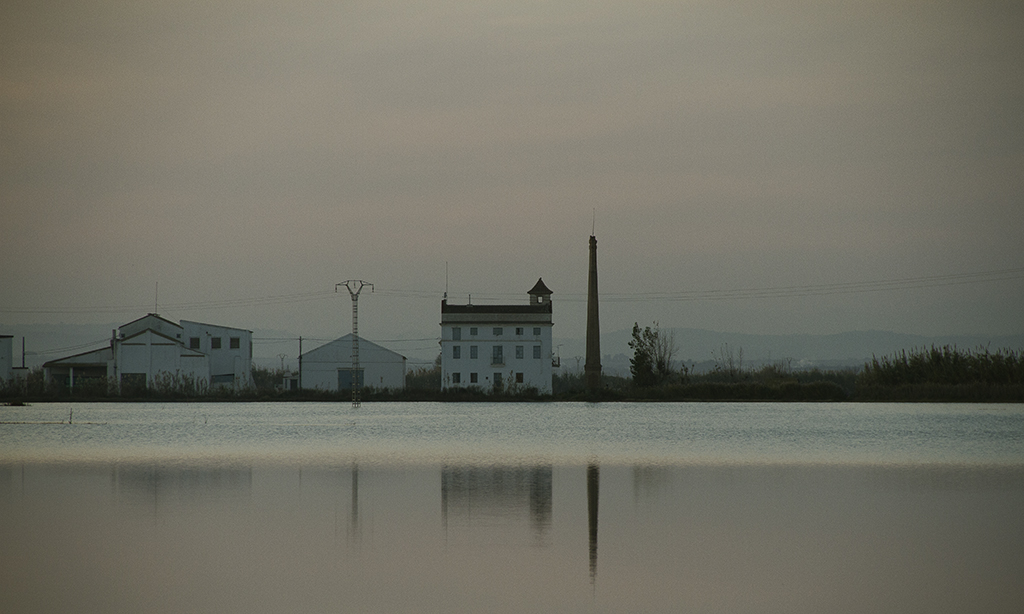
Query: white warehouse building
152,347
498,347
329,367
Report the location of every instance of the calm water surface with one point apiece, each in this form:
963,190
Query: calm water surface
423,507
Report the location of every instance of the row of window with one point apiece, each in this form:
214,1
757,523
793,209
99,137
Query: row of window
474,378
497,353
497,331
215,344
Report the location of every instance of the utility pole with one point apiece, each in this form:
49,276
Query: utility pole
354,287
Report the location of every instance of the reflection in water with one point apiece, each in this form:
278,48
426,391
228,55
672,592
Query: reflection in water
649,480
353,527
163,485
593,486
803,538
471,494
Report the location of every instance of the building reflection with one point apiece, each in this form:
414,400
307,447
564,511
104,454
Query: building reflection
649,481
479,494
162,485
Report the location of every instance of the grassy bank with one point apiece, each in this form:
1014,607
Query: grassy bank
944,374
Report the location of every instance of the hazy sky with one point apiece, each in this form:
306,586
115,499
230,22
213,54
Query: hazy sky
765,167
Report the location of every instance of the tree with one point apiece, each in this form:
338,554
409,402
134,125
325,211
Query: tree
653,351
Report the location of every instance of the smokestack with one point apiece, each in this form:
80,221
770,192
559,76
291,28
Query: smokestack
592,369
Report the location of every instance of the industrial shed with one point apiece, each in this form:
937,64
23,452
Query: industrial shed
150,348
329,367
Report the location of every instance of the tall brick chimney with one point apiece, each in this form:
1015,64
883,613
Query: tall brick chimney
592,369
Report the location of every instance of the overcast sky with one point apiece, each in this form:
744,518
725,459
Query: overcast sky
763,167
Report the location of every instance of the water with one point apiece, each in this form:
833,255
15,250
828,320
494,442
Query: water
669,433
423,507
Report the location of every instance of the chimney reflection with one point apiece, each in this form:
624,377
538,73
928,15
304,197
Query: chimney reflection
473,494
593,486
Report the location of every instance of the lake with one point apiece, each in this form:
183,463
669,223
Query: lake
511,507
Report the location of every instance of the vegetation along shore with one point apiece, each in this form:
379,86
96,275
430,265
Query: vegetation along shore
943,374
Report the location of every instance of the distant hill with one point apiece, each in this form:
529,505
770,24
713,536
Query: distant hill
701,348
697,347
45,342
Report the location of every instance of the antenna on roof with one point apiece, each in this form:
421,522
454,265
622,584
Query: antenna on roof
593,224
445,279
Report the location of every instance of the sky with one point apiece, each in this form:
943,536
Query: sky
748,166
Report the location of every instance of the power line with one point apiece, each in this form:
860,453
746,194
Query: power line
70,348
836,288
909,283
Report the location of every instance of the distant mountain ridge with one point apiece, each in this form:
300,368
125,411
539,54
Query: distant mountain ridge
696,346
45,342
849,349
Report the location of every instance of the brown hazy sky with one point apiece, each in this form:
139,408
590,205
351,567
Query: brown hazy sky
239,150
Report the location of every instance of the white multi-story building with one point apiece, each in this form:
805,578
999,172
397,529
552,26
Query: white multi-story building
498,347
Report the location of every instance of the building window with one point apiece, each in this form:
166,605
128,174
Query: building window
456,352
536,331
519,352
193,343
519,378
536,351
473,352
234,343
456,333
472,331
519,330
456,378
497,331
472,378
497,355
214,343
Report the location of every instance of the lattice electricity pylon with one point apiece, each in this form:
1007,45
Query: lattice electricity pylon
354,287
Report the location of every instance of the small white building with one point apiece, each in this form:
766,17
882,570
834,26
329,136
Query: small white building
6,358
498,347
329,367
10,373
82,370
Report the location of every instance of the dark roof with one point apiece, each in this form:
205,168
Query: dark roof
100,355
150,330
485,309
539,288
149,315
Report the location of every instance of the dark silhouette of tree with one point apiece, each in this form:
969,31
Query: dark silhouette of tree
653,350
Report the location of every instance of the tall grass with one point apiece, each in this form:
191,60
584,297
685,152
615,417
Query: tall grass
946,365
944,373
